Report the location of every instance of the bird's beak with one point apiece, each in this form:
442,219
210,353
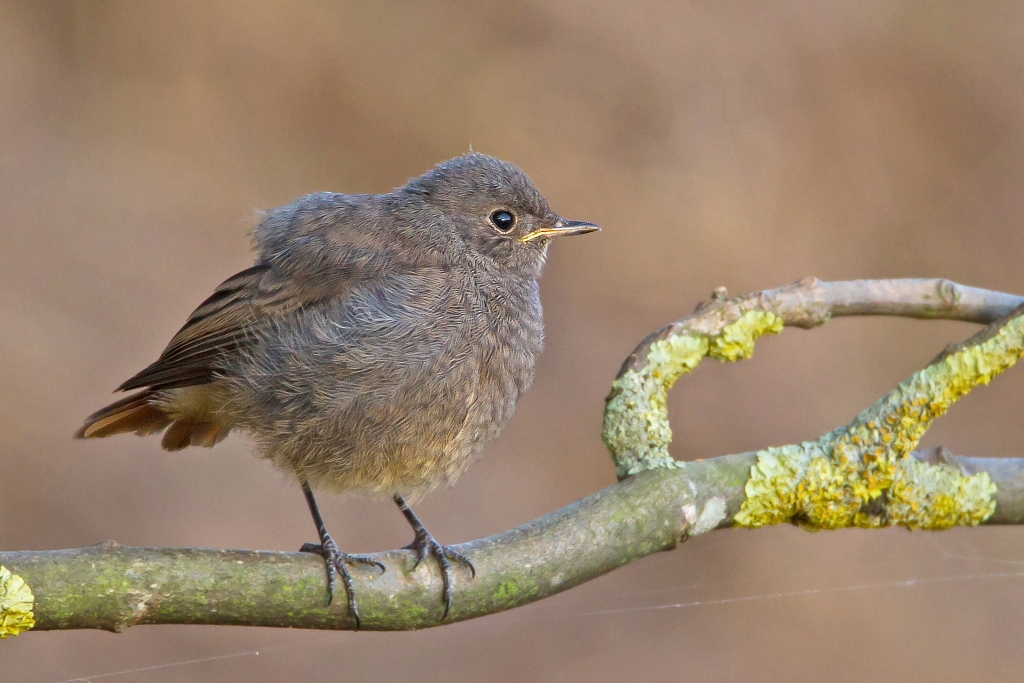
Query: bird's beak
562,227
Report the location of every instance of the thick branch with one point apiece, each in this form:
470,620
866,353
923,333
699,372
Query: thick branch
863,474
113,587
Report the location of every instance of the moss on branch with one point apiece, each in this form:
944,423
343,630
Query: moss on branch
113,587
16,602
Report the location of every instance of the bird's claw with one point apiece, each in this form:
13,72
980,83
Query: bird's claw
337,563
425,544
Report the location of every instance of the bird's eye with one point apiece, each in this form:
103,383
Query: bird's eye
503,220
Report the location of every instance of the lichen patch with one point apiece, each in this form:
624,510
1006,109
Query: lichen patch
865,475
16,602
636,429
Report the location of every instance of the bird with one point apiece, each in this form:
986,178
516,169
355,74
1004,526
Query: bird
376,345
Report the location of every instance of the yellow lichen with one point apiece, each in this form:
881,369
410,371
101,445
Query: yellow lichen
865,475
636,428
16,601
736,342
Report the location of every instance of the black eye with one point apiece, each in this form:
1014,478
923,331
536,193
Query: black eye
503,220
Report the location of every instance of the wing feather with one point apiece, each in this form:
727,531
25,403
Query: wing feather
310,251
220,326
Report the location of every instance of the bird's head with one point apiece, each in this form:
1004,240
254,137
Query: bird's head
496,210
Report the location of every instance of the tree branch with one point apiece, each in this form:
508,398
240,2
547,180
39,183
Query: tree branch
636,428
112,587
864,474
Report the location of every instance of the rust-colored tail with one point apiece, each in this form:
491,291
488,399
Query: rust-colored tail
141,414
133,413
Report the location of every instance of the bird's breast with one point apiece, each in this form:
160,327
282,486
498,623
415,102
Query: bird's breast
509,343
397,388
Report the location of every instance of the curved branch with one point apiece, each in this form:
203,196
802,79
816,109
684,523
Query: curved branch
112,587
863,474
636,428
811,302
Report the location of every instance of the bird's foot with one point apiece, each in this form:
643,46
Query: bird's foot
423,544
337,563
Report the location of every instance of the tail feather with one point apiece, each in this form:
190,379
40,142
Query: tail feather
134,413
143,414
177,436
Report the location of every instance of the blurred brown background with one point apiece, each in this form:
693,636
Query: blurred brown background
718,143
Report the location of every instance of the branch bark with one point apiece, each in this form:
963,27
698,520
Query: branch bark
810,302
113,587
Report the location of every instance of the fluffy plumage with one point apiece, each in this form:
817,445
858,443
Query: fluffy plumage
378,342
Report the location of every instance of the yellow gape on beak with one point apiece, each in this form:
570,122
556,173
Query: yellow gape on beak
562,227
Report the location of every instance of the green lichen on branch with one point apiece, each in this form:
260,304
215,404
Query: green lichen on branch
16,602
864,474
636,429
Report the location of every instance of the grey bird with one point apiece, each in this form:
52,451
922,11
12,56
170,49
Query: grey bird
376,345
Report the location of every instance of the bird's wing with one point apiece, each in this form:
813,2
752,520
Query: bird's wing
310,251
220,326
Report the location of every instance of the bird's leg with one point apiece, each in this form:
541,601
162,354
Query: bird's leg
424,543
337,561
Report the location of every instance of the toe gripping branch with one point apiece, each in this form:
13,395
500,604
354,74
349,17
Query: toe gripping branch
336,561
424,543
